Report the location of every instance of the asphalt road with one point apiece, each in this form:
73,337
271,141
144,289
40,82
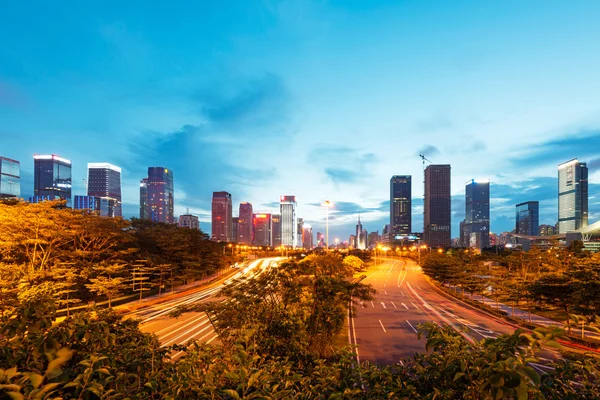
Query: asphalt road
385,329
191,326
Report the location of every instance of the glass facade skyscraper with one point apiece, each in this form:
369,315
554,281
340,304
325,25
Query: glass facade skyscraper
528,218
289,225
102,206
400,206
10,178
222,223
436,211
572,196
51,178
160,195
245,224
104,181
476,227
276,230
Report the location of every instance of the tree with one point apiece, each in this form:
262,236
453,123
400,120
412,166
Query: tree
109,282
556,290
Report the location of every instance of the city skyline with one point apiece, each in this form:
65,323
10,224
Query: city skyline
496,94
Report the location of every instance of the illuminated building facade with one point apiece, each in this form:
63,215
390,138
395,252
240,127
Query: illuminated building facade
104,181
10,178
476,226
51,178
400,206
101,206
245,224
262,230
307,237
287,207
528,218
160,203
572,196
234,228
222,219
436,206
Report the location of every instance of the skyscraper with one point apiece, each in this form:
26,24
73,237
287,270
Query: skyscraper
436,210
477,214
104,181
400,205
276,230
10,178
189,221
234,228
222,230
262,229
143,198
307,237
572,196
528,218
287,207
245,224
361,236
51,178
300,232
161,203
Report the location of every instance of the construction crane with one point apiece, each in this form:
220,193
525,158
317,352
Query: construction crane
86,185
424,159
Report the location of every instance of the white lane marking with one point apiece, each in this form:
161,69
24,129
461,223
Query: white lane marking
385,292
402,293
383,304
382,327
413,328
405,306
211,339
403,278
417,307
372,305
393,304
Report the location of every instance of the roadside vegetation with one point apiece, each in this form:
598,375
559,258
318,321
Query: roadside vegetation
81,257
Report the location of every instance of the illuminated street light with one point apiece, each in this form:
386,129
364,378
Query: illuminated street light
327,204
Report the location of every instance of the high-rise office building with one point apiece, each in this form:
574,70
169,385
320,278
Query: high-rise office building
189,221
10,178
144,198
373,239
437,211
400,206
222,229
477,214
528,218
276,230
234,228
307,237
51,178
160,195
287,207
300,232
262,229
101,206
352,241
320,239
572,196
361,236
245,224
104,181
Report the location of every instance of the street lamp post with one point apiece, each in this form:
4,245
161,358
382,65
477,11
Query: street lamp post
327,204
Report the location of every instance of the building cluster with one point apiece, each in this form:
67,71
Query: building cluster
52,180
260,229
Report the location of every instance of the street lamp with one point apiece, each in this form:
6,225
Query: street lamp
336,240
327,204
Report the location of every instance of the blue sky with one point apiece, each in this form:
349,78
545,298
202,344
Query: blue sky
324,99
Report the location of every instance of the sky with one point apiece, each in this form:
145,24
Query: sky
325,100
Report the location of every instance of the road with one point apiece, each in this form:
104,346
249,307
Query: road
192,325
385,329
